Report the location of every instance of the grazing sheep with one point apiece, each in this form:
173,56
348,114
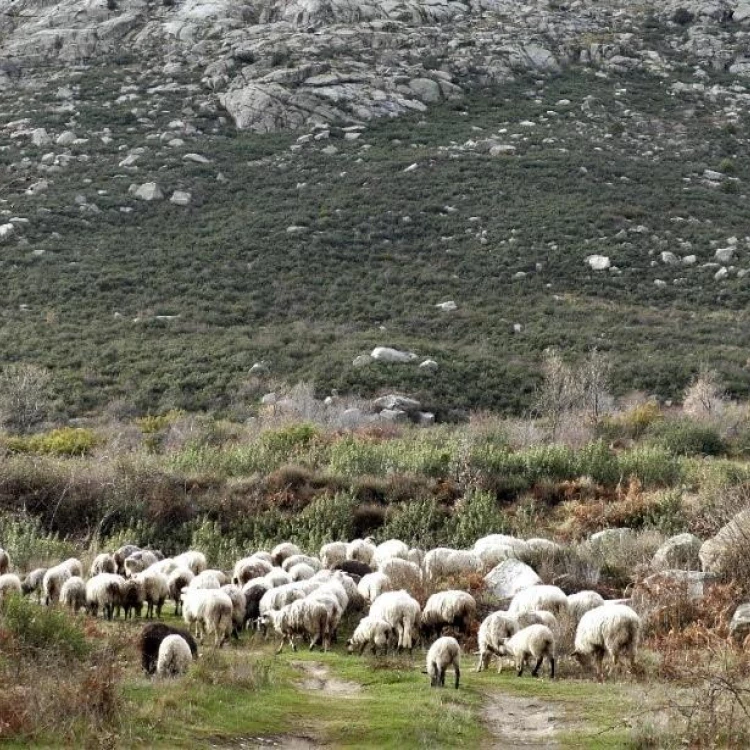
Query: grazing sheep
613,630
353,568
73,594
139,561
535,641
495,628
155,591
360,550
132,597
403,574
9,584
582,602
386,550
290,562
193,560
444,561
300,572
177,580
332,553
103,563
275,599
304,617
537,617
165,566
4,561
174,656
239,606
371,632
33,582
277,577
250,567
209,579
444,653
356,601
53,581
122,554
373,585
281,551
151,637
495,548
105,591
448,608
253,591
550,598
209,611
74,566
401,612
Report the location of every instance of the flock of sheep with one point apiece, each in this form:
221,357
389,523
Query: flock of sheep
304,596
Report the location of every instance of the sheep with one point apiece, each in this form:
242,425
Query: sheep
155,591
373,585
300,572
372,632
290,562
33,582
73,594
454,608
353,568
250,567
401,612
360,550
177,580
193,560
262,554
403,574
356,600
582,602
139,561
537,617
122,554
239,606
281,551
132,597
386,550
4,561
9,584
495,628
337,587
275,599
495,548
151,637
209,579
536,641
444,653
209,611
614,630
103,590
174,656
74,566
416,556
444,561
103,563
308,617
165,566
277,577
332,553
331,603
550,598
253,591
53,581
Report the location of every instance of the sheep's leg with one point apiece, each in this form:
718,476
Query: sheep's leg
551,667
480,663
442,676
535,671
520,664
458,674
281,645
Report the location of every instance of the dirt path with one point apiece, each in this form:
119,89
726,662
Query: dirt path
517,722
278,742
318,677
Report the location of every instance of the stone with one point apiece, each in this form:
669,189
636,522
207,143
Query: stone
426,90
448,306
608,537
393,415
721,274
425,419
129,160
739,626
689,260
362,360
67,138
724,255
401,403
713,175
669,258
40,137
394,356
694,583
505,580
196,158
731,543
37,187
502,149
148,191
429,365
181,198
680,552
259,368
741,13
598,262
269,399
6,232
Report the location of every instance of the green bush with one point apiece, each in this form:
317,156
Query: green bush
28,545
686,437
476,515
421,523
652,465
65,441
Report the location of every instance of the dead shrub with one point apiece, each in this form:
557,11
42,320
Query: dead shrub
367,519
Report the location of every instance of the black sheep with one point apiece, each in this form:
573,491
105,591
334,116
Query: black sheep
151,637
354,568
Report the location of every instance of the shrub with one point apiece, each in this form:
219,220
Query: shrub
682,17
29,546
420,523
686,437
65,441
24,396
653,466
475,516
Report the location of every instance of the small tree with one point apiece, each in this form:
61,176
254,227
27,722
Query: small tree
704,397
24,396
594,375
559,393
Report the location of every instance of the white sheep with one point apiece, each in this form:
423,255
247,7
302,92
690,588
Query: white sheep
550,598
277,577
103,563
33,582
174,656
332,554
4,561
155,590
448,608
402,573
361,550
122,554
208,611
537,617
165,566
444,561
355,599
193,560
73,594
281,551
74,566
53,581
9,584
444,653
373,585
582,602
495,628
391,548
300,572
138,562
262,554
239,605
177,580
309,560
535,641
614,630
250,567
401,612
495,548
132,597
416,556
275,599
103,590
209,579
372,632
304,617
331,603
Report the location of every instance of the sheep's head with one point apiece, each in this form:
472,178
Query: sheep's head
502,648
350,646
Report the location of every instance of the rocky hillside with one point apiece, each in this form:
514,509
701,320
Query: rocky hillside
299,183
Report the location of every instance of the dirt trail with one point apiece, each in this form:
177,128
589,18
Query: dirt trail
278,742
317,677
517,722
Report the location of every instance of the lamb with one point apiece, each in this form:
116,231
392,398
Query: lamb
308,617
155,591
103,563
9,584
360,550
401,612
239,606
332,553
105,591
372,632
281,551
53,581
444,653
454,608
535,641
73,594
550,598
174,656
275,599
193,560
151,637
537,617
373,585
495,628
582,602
177,580
353,568
402,573
209,611
386,550
612,629
33,582
209,579
4,561
300,572
74,566
250,567
290,562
